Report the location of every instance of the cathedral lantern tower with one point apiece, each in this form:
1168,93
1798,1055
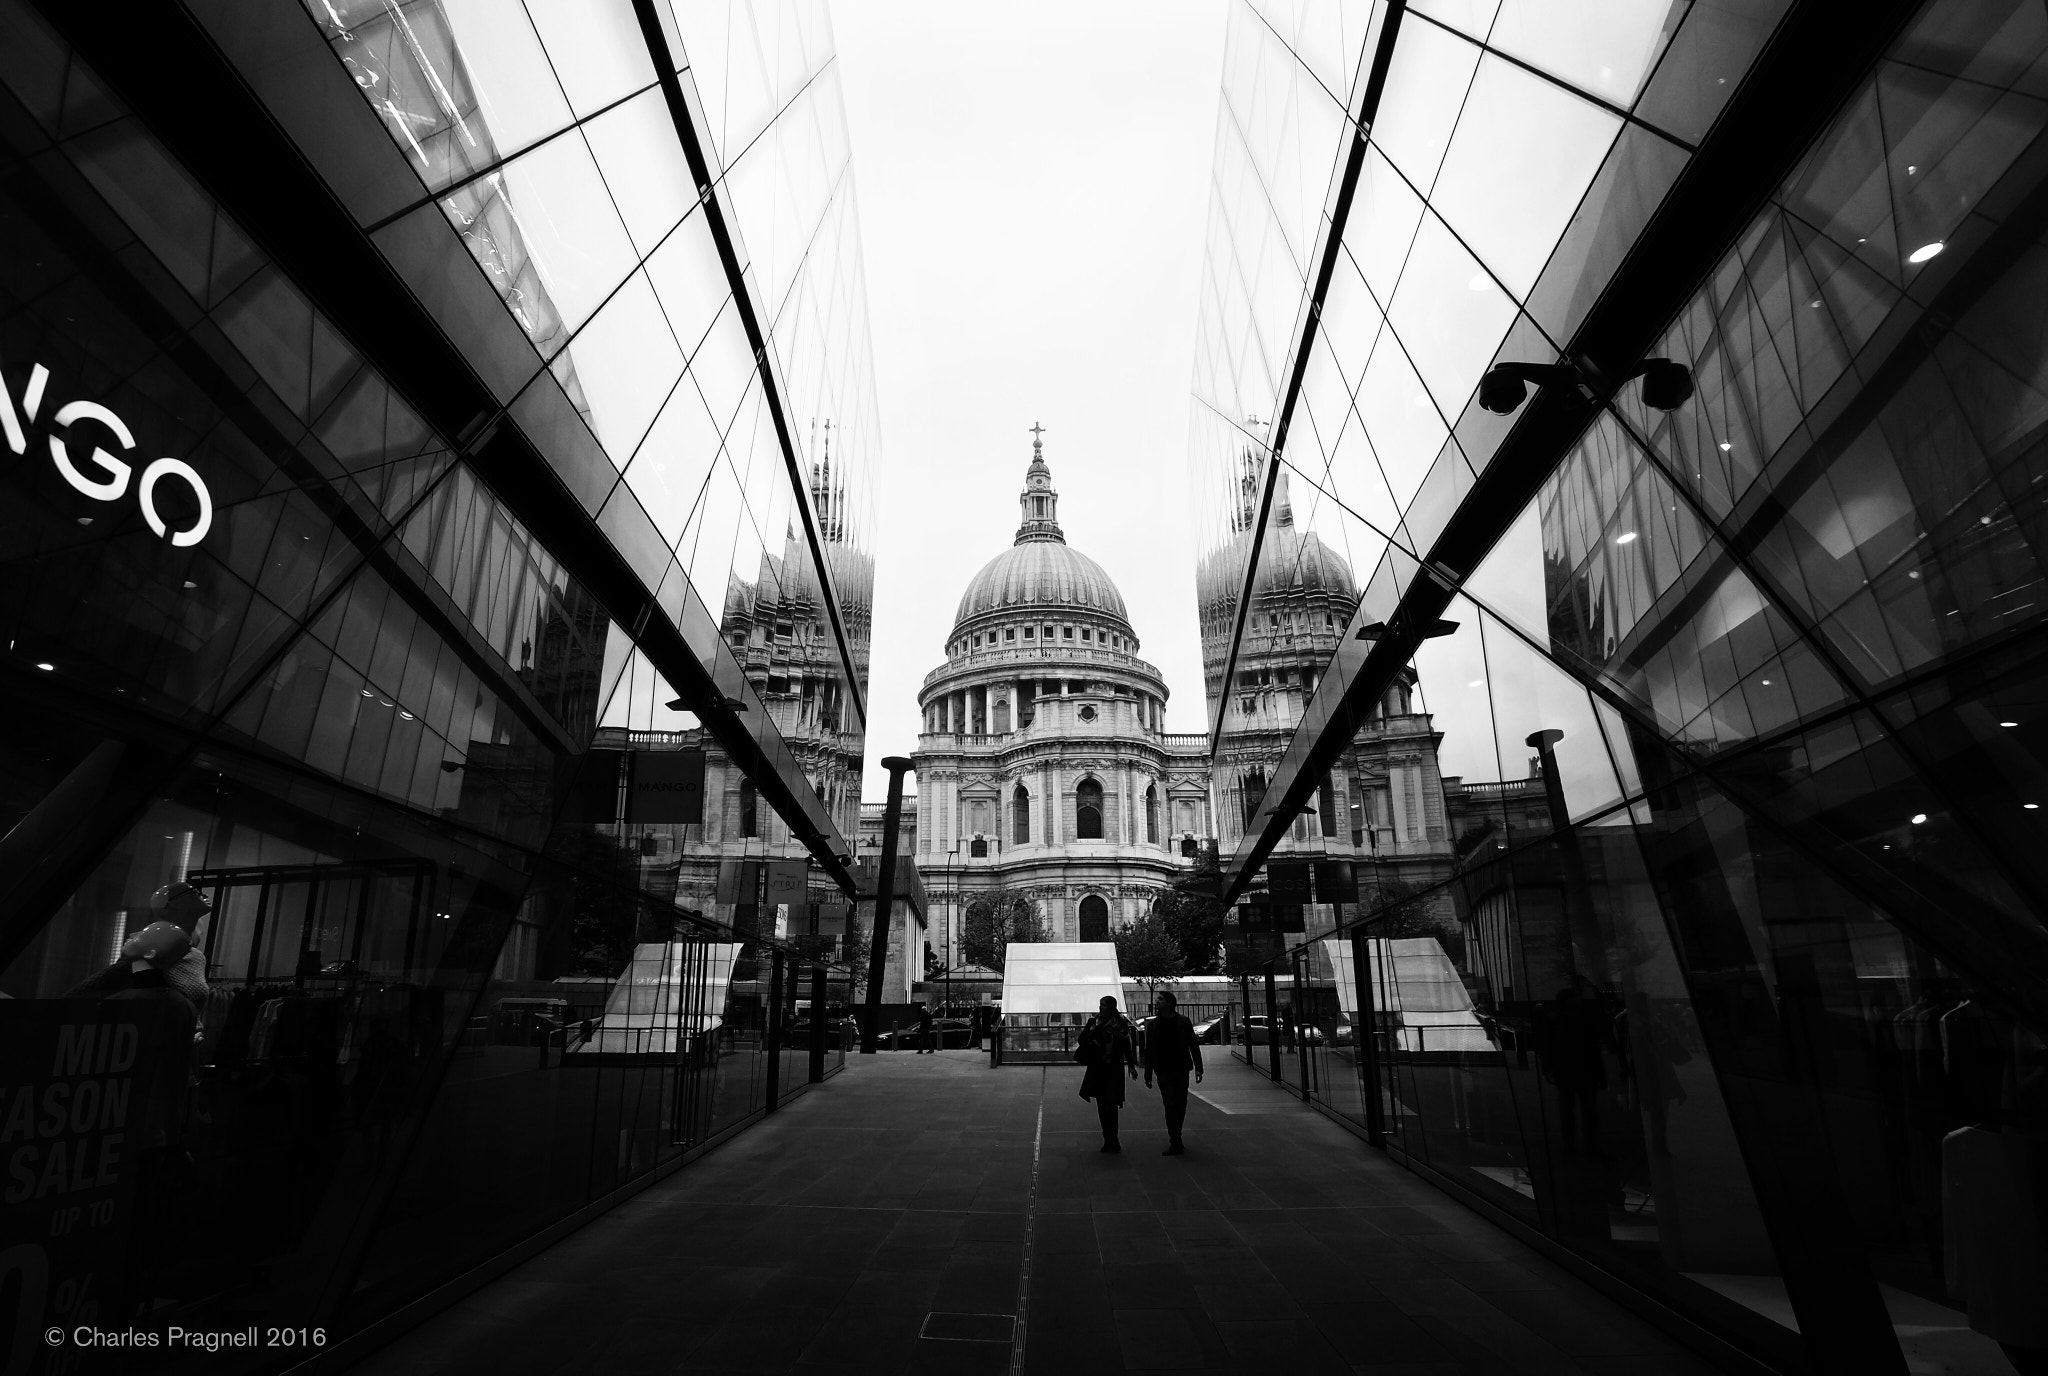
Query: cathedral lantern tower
1039,503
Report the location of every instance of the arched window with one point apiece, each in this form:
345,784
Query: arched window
1152,813
1020,816
1088,811
1094,919
1254,792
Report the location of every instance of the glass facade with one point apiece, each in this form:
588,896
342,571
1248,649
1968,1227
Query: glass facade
1733,982
435,580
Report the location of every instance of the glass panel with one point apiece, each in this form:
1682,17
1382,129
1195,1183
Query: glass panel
643,165
1449,314
669,471
1524,153
1402,423
595,47
627,363
511,73
1426,85
560,209
1605,47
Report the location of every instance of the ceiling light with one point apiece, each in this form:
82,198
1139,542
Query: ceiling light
368,694
1624,537
47,668
1725,446
1480,281
190,584
1477,683
1767,683
2008,723
1925,251
1918,818
2031,807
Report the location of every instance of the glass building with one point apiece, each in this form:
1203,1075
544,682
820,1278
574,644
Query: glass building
435,579
1734,986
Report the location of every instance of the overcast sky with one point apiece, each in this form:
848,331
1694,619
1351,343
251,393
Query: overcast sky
1033,187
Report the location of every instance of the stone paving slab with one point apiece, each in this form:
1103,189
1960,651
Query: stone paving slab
825,1240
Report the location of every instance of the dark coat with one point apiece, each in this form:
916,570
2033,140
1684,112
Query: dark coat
1171,1047
1105,1079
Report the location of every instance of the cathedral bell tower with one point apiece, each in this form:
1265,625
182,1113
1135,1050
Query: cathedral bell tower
1038,502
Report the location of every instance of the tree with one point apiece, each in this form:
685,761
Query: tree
853,952
1400,909
1193,920
995,918
1148,952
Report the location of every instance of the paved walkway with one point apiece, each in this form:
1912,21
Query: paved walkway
869,1211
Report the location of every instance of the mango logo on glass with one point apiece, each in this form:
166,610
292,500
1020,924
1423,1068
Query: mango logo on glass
108,480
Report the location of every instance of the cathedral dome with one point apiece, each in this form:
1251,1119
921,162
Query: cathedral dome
1291,560
1041,575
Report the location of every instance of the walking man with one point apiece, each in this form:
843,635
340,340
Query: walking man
1171,1051
924,1030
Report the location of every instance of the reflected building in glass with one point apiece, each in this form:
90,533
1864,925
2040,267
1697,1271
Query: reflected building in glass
435,565
1735,698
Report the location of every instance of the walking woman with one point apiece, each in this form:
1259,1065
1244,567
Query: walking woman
1108,1049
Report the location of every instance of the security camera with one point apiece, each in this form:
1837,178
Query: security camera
1666,385
1502,390
1505,385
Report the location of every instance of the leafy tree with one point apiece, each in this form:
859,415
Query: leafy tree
1148,952
1400,909
853,950
995,918
1193,920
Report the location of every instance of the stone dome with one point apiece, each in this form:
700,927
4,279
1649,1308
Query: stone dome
1041,575
1291,560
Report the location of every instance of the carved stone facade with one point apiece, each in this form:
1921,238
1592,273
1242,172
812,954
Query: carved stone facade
1044,765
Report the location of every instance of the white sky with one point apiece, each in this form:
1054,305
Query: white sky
1033,187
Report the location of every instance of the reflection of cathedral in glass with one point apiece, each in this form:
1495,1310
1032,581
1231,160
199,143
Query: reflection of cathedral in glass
779,631
1383,804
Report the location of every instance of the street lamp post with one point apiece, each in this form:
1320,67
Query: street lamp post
885,902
